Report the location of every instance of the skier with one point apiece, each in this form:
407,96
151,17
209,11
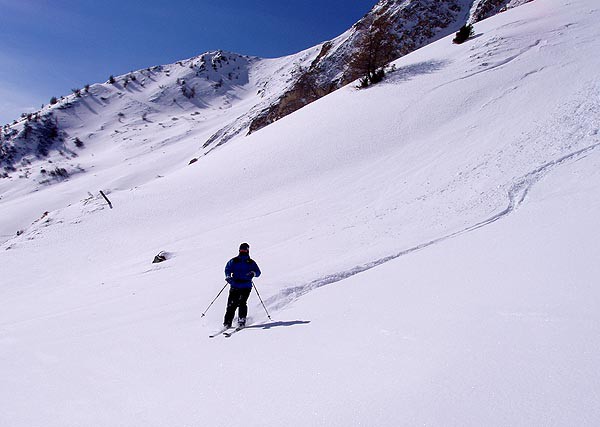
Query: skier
239,273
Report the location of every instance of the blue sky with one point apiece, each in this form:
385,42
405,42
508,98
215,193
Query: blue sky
48,47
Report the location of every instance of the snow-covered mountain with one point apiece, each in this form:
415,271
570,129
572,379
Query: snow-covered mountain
147,108
428,248
180,111
216,96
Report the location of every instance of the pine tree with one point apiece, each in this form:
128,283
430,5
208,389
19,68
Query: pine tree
376,48
465,32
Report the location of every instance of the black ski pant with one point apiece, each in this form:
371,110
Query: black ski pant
237,299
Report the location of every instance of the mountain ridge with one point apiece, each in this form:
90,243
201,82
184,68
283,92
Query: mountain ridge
234,94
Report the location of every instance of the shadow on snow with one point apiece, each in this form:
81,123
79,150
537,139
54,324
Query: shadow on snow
278,324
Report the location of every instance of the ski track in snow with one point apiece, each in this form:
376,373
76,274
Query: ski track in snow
573,131
566,123
517,194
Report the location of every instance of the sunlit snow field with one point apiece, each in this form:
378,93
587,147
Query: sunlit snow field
429,249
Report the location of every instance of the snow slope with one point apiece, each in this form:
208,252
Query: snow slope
428,247
141,127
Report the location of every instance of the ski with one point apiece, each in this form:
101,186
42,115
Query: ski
228,334
219,332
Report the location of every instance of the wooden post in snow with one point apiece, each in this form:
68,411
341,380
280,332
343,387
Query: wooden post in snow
106,198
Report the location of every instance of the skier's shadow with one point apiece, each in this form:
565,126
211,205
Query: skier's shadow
278,324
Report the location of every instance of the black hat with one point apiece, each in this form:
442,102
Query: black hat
244,247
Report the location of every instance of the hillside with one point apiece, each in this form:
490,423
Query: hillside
153,121
393,28
428,248
216,96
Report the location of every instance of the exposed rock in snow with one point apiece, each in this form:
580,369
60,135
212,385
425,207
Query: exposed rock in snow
483,9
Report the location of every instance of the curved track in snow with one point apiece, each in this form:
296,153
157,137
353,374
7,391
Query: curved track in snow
517,193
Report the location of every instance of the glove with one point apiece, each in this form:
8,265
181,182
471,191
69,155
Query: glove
229,280
252,274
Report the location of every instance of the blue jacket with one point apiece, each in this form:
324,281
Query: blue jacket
238,271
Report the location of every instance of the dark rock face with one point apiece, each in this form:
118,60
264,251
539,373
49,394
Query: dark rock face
37,135
488,8
306,90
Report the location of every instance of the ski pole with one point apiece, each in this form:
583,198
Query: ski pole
261,301
213,301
